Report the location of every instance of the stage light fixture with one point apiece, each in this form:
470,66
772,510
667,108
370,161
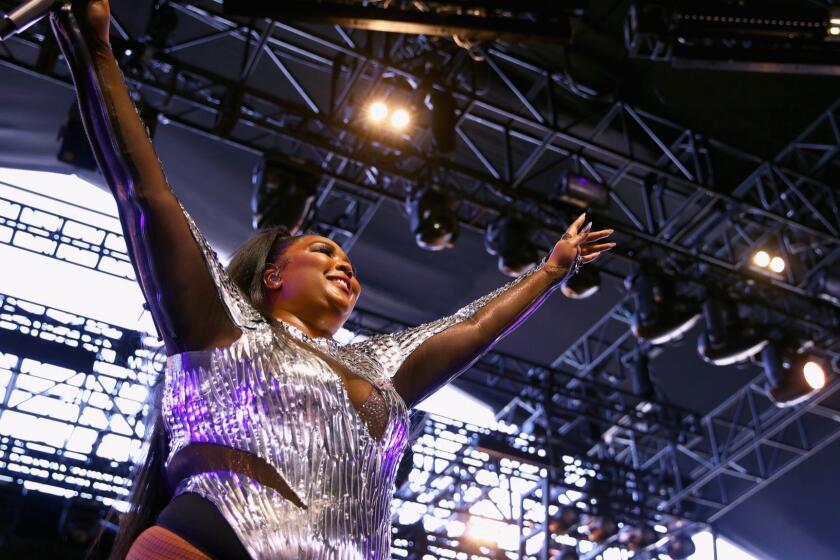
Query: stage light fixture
833,26
581,191
162,23
792,378
765,261
400,119
566,519
727,340
600,528
637,538
659,317
433,218
582,285
443,120
510,238
814,374
284,194
826,285
679,547
377,111
761,259
756,36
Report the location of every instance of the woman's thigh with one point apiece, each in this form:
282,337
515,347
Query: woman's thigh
158,543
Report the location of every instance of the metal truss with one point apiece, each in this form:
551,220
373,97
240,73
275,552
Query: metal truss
787,185
518,123
746,442
565,397
458,468
747,37
664,178
530,21
74,399
49,234
101,388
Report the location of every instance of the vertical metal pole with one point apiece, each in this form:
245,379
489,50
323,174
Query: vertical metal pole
546,489
714,544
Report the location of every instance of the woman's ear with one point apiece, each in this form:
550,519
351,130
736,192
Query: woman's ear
271,277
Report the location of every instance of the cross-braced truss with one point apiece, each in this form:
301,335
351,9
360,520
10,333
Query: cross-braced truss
518,122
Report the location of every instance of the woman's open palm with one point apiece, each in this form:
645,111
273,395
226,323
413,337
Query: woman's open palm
579,238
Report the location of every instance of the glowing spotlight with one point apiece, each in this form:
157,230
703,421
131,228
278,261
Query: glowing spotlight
777,264
834,30
792,378
762,259
814,374
400,119
378,111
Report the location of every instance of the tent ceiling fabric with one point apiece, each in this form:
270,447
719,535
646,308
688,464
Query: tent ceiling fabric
789,519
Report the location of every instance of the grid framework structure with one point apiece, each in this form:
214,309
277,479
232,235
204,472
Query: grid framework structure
667,190
76,397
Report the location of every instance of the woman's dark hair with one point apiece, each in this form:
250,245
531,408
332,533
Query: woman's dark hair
248,264
149,491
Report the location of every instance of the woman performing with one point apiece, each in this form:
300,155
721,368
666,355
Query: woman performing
274,441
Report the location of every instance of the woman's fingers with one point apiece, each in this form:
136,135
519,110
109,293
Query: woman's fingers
589,258
589,249
574,228
596,235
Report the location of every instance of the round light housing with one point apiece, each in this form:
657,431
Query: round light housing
777,264
400,119
814,374
377,111
761,258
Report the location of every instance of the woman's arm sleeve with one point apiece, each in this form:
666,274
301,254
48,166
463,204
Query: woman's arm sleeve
422,359
177,271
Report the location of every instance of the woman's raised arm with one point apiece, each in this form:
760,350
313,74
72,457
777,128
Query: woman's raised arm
422,359
169,263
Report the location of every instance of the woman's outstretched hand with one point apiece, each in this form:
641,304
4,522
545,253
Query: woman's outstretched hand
94,18
578,238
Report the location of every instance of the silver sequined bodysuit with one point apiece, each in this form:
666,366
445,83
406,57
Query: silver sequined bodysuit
273,392
270,396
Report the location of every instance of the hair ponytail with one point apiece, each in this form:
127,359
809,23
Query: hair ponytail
149,491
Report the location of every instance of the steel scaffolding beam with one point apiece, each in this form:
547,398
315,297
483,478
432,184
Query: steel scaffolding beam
746,442
664,200
670,205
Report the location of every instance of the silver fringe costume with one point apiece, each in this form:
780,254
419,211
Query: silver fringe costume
269,396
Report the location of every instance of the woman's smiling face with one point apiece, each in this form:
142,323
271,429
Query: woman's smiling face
315,276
